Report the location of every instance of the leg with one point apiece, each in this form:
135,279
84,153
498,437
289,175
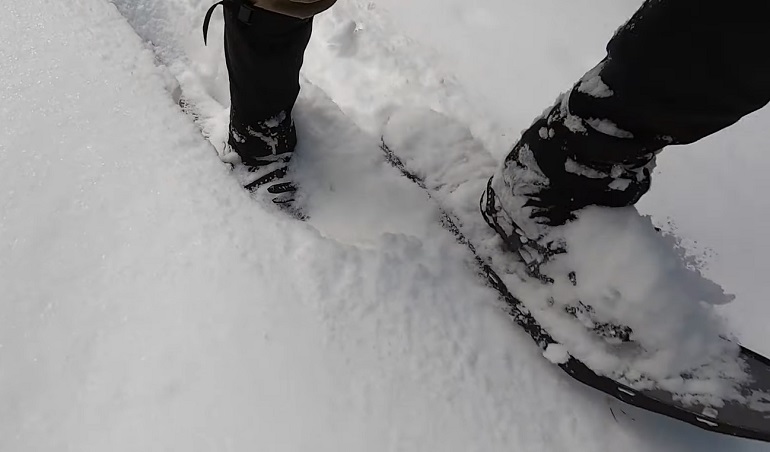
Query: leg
679,70
264,53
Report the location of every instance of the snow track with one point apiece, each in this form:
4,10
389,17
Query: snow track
149,304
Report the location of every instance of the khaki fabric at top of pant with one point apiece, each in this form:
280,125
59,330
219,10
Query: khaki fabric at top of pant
295,8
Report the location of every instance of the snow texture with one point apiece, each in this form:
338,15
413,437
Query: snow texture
608,127
149,303
593,85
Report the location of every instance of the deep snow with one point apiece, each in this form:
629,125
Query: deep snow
150,304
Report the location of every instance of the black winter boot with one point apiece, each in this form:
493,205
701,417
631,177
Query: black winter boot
265,170
543,182
546,178
677,71
264,53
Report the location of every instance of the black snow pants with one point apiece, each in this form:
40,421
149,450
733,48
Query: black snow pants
264,52
677,71
680,70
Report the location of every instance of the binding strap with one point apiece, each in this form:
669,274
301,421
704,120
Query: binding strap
244,14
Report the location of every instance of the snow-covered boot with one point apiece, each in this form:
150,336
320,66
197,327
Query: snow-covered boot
547,178
264,150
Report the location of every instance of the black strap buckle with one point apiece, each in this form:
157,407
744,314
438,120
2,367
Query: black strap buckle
244,14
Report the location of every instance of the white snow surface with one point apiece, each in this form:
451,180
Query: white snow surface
150,304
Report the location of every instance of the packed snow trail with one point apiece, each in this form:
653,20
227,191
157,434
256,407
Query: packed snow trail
150,304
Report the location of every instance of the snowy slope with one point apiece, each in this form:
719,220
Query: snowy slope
150,304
